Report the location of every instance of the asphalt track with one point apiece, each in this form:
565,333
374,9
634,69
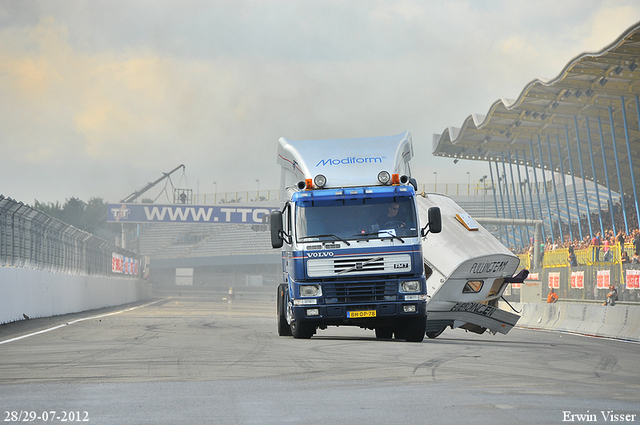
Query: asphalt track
194,358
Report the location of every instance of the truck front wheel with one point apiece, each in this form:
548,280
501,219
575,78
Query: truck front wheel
302,330
384,332
283,327
415,329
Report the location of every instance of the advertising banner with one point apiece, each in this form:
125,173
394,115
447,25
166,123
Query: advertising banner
152,213
554,280
604,277
633,279
116,263
577,280
124,265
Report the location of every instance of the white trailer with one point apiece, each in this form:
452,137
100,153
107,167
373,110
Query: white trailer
467,271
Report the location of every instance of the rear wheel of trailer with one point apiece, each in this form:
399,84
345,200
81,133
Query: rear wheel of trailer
435,334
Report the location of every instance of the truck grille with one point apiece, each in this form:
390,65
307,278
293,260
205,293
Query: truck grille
350,266
357,292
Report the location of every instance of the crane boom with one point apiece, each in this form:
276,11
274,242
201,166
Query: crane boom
137,193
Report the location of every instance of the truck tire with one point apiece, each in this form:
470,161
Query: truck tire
283,327
384,332
415,329
302,330
435,334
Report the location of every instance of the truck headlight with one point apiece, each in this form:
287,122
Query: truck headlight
410,286
310,290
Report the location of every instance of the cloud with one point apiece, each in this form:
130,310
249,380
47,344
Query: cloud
97,98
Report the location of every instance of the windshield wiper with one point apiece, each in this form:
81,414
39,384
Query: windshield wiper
329,235
378,233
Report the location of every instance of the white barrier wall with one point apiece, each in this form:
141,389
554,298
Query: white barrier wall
37,293
620,321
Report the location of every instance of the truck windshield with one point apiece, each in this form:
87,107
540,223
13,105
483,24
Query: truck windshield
375,218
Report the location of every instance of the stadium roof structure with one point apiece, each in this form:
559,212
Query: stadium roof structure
584,122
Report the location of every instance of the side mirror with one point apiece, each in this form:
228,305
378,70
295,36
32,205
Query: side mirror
435,222
275,220
413,182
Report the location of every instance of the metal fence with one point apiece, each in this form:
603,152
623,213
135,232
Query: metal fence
247,196
32,239
269,195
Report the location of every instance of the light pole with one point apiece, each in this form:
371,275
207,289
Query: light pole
215,192
484,193
435,186
468,183
258,193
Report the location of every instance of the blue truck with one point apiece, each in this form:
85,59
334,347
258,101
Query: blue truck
351,236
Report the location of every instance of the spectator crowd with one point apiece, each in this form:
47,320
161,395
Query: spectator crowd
603,246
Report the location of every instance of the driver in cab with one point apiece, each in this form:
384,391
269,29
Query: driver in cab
391,220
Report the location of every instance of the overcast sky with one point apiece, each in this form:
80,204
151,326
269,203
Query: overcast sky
98,98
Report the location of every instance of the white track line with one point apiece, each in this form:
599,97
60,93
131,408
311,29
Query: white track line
77,321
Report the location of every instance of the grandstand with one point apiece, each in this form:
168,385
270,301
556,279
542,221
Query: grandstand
219,254
579,131
162,241
567,151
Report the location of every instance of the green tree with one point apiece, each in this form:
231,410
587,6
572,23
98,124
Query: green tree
88,216
73,212
54,210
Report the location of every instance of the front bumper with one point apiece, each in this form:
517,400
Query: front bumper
385,313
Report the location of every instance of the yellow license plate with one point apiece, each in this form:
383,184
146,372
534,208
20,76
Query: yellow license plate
359,314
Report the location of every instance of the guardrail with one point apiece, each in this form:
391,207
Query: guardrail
619,322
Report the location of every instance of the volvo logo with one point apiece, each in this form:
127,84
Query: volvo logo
319,254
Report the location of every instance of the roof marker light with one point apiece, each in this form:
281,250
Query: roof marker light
320,181
384,177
